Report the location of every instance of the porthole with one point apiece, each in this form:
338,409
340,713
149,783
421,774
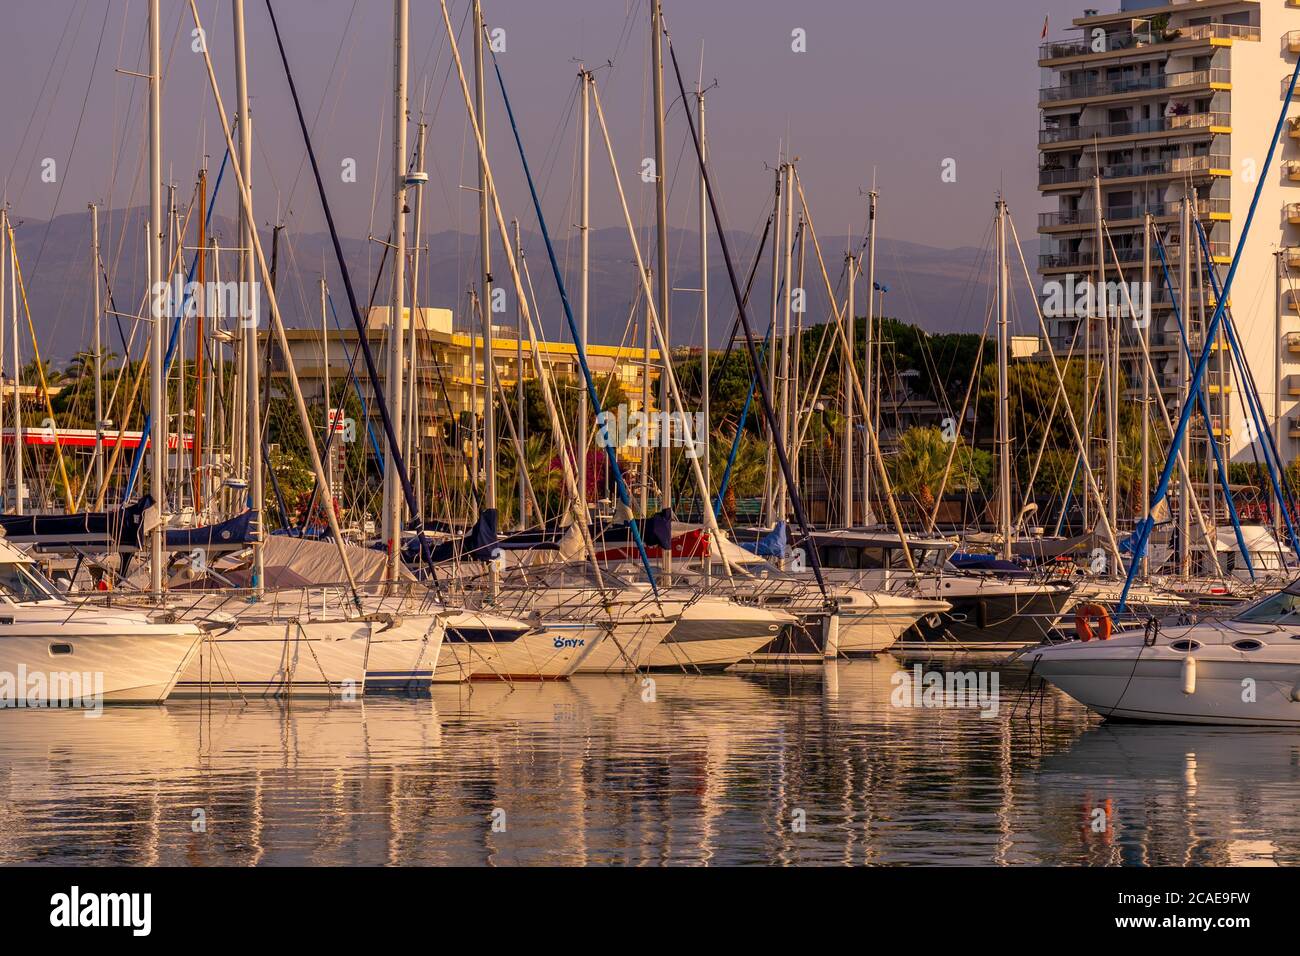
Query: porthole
1184,645
57,649
1247,645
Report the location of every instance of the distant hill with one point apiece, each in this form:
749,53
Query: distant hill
935,288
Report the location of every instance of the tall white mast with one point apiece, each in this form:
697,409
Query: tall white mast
869,370
1145,324
157,405
20,493
519,388
704,295
413,451
661,228
787,268
769,480
392,523
99,354
846,375
1110,384
1004,398
485,258
584,266
249,299
1184,377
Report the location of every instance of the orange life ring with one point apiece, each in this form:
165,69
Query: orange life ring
1083,617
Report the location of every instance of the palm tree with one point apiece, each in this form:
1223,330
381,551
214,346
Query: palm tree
918,467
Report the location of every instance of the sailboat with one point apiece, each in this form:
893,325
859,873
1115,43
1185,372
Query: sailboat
54,652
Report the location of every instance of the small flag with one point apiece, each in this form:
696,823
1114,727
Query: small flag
1044,28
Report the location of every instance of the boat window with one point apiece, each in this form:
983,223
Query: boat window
19,584
1185,645
60,649
1280,608
1247,645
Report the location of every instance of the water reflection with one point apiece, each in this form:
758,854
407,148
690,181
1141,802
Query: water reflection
807,767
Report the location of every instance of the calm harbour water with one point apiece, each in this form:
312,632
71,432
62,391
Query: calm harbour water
713,770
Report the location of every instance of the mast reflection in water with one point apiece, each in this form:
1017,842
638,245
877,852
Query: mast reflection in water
813,769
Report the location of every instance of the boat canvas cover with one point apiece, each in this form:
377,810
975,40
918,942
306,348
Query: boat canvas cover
232,534
774,544
121,529
301,562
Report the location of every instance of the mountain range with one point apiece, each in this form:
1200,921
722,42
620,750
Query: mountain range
938,289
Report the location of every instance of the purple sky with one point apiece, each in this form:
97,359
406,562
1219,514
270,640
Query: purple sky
895,88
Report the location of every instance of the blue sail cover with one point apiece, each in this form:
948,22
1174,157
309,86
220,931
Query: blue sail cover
232,534
119,529
774,544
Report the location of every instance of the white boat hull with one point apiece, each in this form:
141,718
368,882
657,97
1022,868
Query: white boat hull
628,647
280,659
404,656
553,651
867,629
1124,679
141,666
712,634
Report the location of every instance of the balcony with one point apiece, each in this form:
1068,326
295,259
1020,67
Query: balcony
1092,88
1293,36
1292,169
1293,384
1205,209
1128,40
1293,213
1175,166
1159,124
1074,259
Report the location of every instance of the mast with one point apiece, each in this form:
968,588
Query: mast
769,481
1004,398
1184,379
704,303
788,269
158,440
869,346
846,476
1146,378
1110,383
584,266
328,493
413,451
249,300
99,355
661,229
199,358
485,258
522,477
392,523
20,492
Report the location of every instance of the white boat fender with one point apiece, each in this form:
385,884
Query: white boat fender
1295,692
1189,674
